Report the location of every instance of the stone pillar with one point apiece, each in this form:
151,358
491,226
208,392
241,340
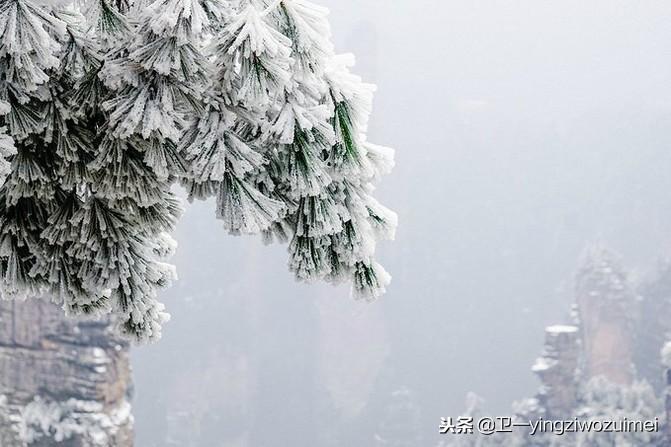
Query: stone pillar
606,305
63,382
557,369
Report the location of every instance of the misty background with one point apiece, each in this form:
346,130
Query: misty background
524,131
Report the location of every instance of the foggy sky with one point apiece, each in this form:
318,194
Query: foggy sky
524,130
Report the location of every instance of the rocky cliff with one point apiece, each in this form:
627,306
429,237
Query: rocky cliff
63,382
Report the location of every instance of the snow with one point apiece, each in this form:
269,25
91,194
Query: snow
62,420
666,354
558,329
543,364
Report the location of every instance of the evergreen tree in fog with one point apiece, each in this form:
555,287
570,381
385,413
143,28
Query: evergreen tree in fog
104,106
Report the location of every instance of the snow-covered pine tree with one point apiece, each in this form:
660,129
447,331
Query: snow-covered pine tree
30,47
69,137
221,147
51,180
323,162
156,80
354,165
283,146
49,240
104,116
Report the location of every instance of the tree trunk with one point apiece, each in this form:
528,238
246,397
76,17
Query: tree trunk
63,382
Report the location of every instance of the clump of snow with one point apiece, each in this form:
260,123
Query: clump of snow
61,420
666,354
543,364
561,329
